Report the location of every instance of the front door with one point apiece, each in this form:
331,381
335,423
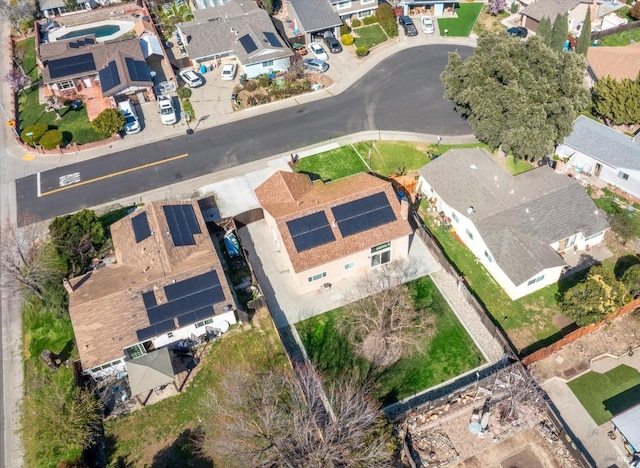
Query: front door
598,169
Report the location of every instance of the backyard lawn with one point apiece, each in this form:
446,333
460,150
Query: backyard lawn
605,395
370,36
621,39
447,354
463,24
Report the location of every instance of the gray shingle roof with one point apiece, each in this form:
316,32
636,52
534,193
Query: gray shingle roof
227,27
517,217
604,144
550,8
315,15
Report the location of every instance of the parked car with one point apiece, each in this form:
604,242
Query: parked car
332,43
229,72
408,26
167,111
132,124
317,50
315,65
427,25
518,31
191,78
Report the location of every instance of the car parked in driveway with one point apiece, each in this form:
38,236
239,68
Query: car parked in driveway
317,50
229,72
427,25
131,124
408,26
518,31
315,65
168,115
191,78
332,43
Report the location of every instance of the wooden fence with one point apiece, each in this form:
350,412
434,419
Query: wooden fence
580,332
618,29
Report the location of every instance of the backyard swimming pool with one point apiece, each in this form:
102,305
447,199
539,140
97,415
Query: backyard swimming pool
103,31
99,31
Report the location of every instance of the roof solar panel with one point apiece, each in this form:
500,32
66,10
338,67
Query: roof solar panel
149,299
191,285
204,313
183,224
71,66
273,40
146,333
138,69
140,225
109,77
248,44
188,319
164,327
310,231
363,214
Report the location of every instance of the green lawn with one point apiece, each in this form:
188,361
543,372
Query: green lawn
370,36
387,157
449,353
439,150
463,24
517,166
605,395
332,165
621,39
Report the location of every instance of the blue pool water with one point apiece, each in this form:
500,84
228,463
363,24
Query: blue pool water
99,31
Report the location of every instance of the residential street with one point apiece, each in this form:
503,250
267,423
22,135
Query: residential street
403,93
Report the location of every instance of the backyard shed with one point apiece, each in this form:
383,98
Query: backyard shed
628,424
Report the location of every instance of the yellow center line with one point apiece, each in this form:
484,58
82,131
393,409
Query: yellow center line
114,174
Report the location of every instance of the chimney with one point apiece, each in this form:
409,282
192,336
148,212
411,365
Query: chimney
67,286
594,11
404,209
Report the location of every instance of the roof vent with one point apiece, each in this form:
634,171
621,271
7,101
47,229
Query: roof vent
473,166
470,211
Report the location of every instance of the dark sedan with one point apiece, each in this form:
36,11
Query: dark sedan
332,44
408,26
518,31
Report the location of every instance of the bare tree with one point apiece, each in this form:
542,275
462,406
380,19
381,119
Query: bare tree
53,105
278,420
18,12
385,324
27,257
18,58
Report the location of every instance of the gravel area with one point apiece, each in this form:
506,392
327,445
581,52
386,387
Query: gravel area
490,347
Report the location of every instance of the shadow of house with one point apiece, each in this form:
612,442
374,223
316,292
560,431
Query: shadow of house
623,401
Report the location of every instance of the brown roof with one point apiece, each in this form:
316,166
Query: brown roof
550,8
287,196
106,307
616,62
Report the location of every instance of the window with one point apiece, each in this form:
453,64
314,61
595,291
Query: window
317,277
170,335
622,175
364,14
66,85
593,236
488,255
350,265
470,234
135,351
381,254
367,2
455,217
535,280
267,64
204,322
343,5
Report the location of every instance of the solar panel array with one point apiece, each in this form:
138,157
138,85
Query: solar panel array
273,40
71,66
140,225
109,77
247,43
183,224
188,301
363,214
138,69
310,231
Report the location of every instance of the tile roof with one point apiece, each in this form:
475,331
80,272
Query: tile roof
550,8
519,216
287,196
604,144
315,15
240,28
107,307
616,62
115,53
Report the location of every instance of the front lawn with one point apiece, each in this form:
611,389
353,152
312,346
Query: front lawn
370,36
332,165
608,394
387,157
447,354
463,24
621,39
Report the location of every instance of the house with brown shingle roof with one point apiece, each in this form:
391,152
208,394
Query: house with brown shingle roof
617,62
168,284
533,13
334,230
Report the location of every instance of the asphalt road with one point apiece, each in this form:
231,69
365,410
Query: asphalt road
403,93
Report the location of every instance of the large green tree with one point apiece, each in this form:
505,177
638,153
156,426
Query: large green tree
543,31
109,121
78,237
520,95
584,41
599,295
559,32
618,102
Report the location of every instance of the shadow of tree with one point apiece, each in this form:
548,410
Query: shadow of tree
624,263
183,452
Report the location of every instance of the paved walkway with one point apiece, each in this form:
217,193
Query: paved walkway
606,362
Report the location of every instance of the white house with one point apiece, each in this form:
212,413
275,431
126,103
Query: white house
612,156
168,284
335,230
517,226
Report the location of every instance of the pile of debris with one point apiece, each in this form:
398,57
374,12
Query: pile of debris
432,447
550,435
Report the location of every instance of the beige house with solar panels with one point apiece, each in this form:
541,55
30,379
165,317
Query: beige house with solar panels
334,230
168,284
518,227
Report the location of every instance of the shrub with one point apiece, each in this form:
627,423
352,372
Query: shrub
109,121
345,29
367,20
188,107
362,51
264,81
183,92
347,39
387,21
355,22
36,130
51,139
635,10
251,85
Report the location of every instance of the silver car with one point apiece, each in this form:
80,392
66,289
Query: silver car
315,65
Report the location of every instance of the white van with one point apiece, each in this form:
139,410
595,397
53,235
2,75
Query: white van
132,124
